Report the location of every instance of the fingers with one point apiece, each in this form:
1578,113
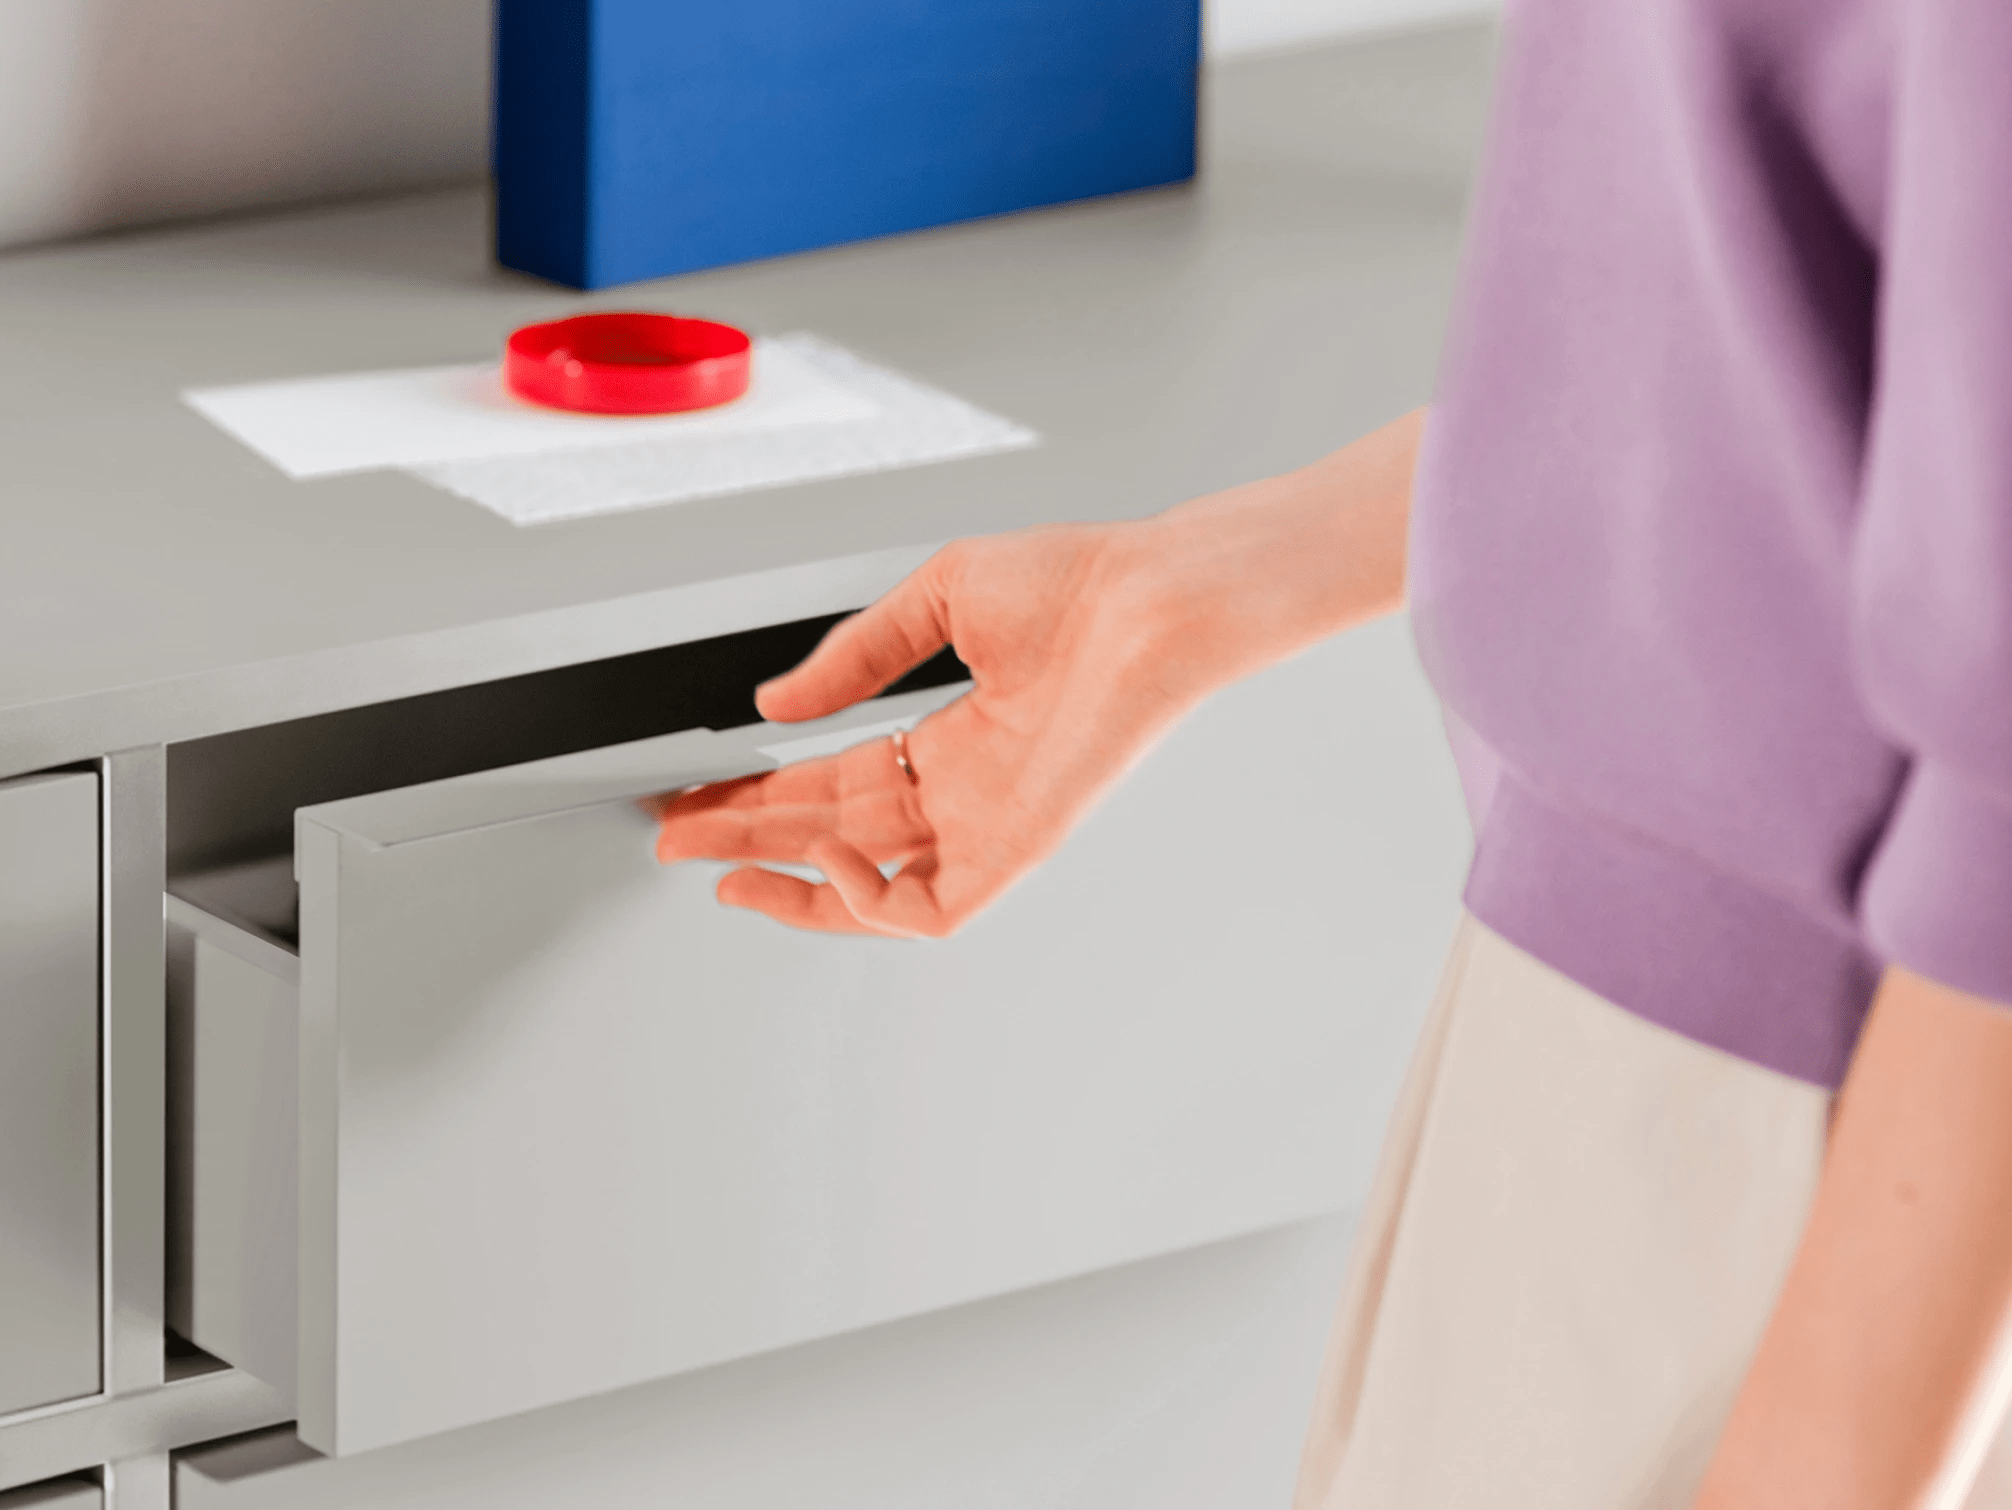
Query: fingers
870,650
858,884
709,822
856,898
860,793
770,815
738,836
686,801
903,907
789,900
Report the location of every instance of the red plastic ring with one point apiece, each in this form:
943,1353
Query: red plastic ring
628,362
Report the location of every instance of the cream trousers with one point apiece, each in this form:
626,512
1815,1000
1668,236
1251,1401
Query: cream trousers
1576,1235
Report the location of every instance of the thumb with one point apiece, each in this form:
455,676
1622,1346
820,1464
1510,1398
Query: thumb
869,651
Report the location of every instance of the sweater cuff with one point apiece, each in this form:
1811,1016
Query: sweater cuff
1937,898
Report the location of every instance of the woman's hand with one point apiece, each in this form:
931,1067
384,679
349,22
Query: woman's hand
1067,692
1085,643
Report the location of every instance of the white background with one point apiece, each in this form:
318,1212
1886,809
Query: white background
116,112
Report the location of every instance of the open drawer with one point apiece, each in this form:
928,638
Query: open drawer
525,1116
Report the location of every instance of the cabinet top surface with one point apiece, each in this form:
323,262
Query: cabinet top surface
162,582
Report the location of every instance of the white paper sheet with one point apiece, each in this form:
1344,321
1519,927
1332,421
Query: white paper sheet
911,424
357,422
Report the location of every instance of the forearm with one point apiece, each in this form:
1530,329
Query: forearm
1242,578
1876,1364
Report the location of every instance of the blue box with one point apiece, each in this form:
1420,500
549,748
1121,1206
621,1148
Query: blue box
640,138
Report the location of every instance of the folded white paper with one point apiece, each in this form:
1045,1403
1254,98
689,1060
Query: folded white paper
356,422
910,424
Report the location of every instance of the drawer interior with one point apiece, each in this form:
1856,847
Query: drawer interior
258,896
231,797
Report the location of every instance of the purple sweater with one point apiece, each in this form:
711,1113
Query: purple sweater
1712,547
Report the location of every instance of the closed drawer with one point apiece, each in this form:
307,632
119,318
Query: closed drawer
49,1329
525,1116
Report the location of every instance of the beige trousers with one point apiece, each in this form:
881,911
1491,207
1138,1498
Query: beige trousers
1576,1236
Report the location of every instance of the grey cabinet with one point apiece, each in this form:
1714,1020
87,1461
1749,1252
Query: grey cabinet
524,1117
49,1113
56,1494
1178,1384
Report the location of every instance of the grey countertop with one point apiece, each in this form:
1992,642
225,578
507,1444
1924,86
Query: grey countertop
159,582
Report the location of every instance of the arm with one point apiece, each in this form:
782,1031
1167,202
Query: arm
1085,643
1876,1372
1866,1383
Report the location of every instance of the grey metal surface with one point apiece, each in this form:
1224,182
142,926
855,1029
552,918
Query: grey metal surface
1181,1384
135,1066
49,1191
161,582
566,1126
55,1494
143,1422
145,1482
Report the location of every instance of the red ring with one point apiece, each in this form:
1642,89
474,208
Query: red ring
628,362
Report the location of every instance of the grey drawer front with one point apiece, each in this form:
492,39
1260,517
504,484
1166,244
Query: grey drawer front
565,1125
49,1310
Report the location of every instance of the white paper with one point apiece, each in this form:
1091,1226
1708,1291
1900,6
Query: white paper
911,424
356,422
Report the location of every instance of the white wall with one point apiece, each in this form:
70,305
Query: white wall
1245,26
117,112
114,112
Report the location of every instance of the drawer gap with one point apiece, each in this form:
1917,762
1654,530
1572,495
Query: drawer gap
231,797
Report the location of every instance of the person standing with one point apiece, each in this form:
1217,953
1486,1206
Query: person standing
1700,1190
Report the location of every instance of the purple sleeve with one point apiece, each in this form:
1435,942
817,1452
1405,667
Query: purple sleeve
1932,559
